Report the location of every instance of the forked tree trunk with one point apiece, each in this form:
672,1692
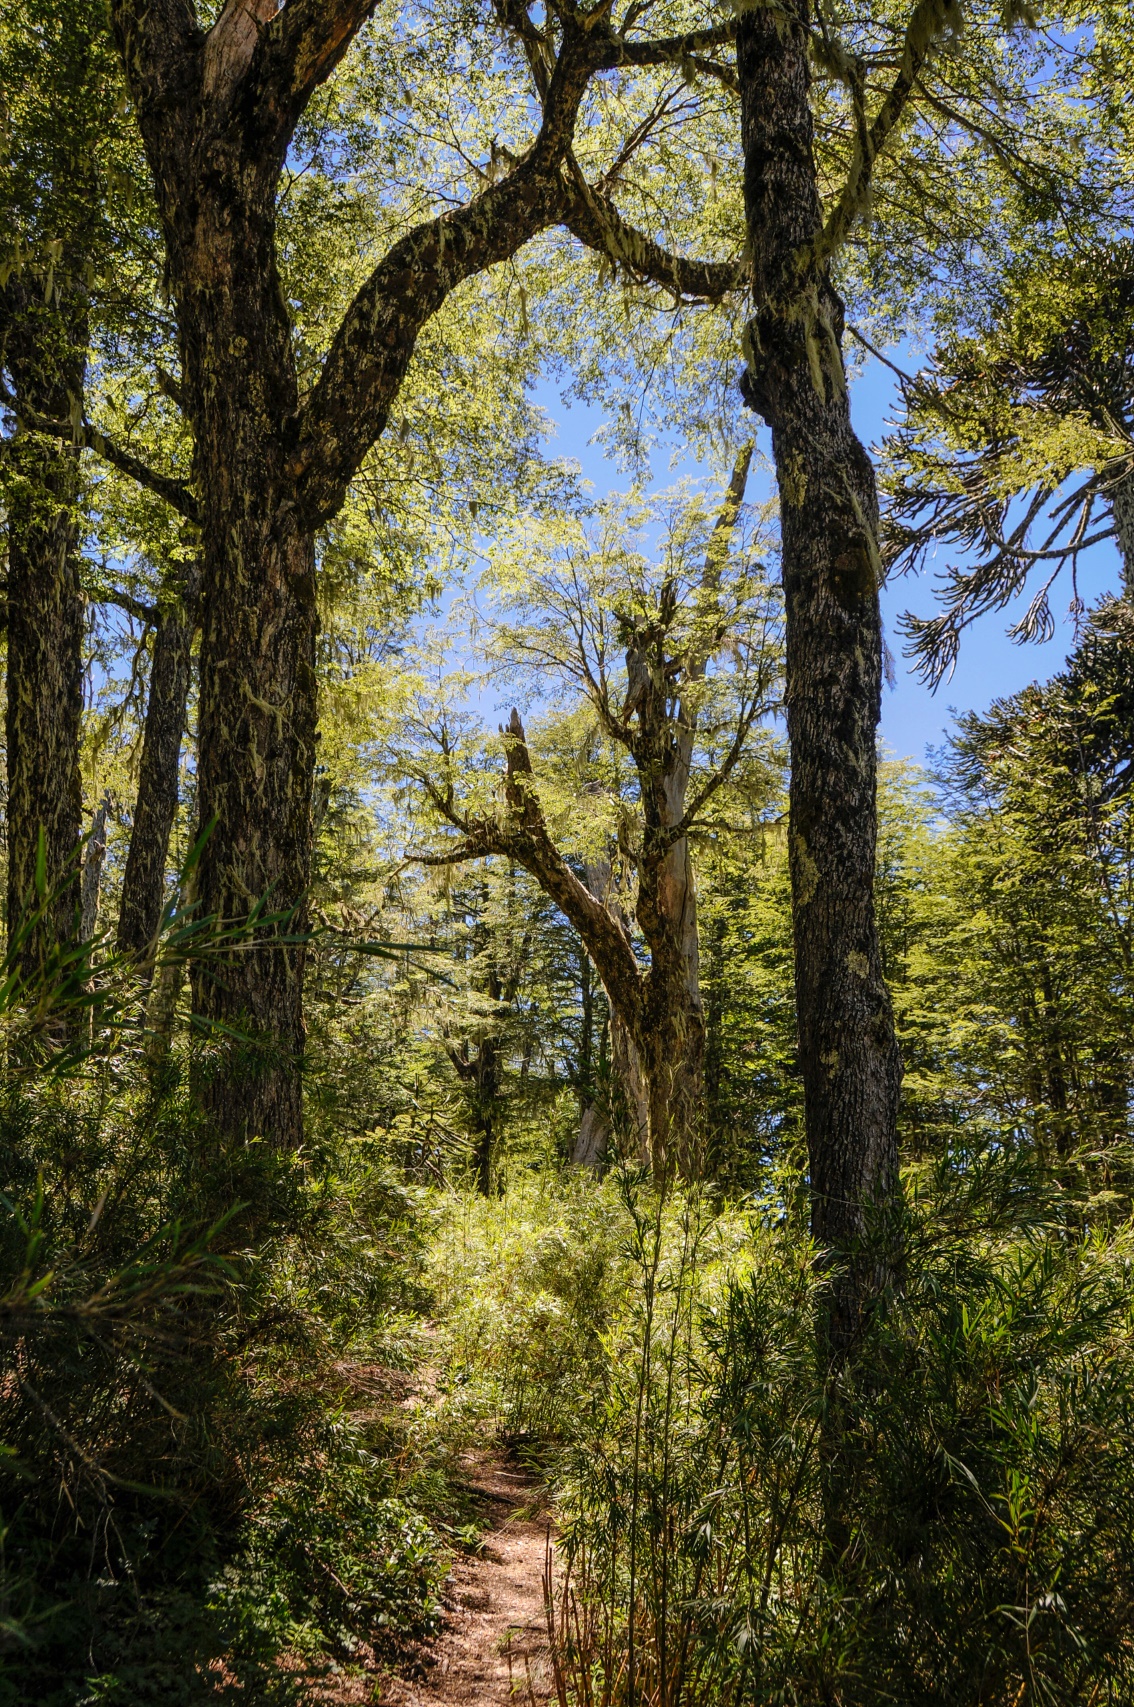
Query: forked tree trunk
829,519
257,666
217,108
143,885
45,353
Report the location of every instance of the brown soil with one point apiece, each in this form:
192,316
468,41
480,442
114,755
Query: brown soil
493,1646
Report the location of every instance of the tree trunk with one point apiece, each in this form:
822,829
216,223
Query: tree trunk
829,518
45,352
93,860
257,732
143,886
257,667
1122,509
630,1093
485,1098
671,1044
594,1137
480,1078
594,1128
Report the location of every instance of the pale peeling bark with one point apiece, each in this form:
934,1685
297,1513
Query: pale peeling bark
594,1138
829,509
94,857
629,1107
45,354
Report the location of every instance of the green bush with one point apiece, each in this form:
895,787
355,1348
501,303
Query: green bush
180,1496
948,1521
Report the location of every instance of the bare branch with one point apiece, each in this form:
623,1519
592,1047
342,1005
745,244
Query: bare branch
521,834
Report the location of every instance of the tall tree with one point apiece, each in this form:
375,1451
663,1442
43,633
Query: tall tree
218,109
636,640
500,948
44,334
58,84
174,623
831,570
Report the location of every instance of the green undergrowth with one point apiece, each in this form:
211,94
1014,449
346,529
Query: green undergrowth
240,1393
214,1482
948,1520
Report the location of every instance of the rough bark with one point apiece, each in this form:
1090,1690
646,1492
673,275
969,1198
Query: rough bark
1122,509
45,354
143,884
480,1073
94,858
829,518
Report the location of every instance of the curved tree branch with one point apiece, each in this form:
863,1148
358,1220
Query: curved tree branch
593,218
521,834
371,351
667,50
88,437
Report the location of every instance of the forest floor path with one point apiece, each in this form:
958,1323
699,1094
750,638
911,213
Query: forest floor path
493,1646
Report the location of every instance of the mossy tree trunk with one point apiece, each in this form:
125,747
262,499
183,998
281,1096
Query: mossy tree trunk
829,517
143,883
45,344
217,109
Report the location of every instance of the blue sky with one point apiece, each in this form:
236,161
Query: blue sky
990,665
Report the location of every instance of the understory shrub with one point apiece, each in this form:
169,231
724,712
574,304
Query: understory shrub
189,1510
948,1520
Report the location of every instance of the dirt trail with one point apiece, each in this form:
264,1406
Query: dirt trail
493,1646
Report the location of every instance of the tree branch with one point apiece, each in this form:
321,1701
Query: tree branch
717,780
928,20
296,52
146,614
368,358
522,835
86,436
367,361
667,50
593,218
